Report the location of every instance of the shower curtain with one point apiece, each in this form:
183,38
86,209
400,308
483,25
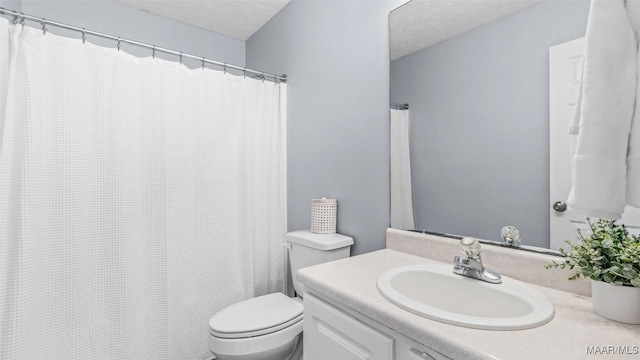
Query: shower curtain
137,198
401,194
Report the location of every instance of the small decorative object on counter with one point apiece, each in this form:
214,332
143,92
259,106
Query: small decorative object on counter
323,215
510,236
610,257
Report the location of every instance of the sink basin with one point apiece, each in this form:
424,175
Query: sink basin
435,292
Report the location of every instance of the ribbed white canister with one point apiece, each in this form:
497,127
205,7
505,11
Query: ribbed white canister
323,215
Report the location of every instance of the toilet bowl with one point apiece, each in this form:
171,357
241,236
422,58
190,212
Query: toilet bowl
269,327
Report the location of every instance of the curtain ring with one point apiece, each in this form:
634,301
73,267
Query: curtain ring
180,57
244,72
44,26
224,69
15,19
22,19
153,52
119,43
263,77
84,36
203,63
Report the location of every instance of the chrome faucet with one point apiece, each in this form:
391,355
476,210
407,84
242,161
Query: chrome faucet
471,266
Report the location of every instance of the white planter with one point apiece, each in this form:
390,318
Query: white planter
619,303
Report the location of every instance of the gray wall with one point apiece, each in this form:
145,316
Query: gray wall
336,54
119,20
11,4
479,123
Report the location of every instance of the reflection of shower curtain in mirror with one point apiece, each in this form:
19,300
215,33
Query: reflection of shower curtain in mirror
401,195
137,198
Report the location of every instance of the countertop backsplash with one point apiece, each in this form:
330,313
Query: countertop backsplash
522,265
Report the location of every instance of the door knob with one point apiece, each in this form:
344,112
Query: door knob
559,206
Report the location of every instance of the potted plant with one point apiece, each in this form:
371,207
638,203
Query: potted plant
610,257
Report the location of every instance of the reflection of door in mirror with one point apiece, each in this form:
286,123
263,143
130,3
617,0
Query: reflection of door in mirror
565,76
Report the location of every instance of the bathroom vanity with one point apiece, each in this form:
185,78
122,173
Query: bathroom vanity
347,318
344,334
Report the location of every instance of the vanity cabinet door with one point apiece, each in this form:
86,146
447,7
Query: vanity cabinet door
330,333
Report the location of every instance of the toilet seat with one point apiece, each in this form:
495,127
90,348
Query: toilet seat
255,317
258,347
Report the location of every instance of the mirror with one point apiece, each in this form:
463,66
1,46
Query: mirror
478,97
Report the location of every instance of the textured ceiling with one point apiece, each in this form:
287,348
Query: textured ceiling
413,26
238,19
421,23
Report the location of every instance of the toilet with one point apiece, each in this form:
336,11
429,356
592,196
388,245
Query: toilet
269,327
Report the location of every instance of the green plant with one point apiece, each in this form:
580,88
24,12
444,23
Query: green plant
609,254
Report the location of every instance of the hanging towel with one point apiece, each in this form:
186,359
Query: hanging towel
633,158
600,182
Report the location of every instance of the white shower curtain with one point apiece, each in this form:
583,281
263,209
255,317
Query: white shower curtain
401,194
137,198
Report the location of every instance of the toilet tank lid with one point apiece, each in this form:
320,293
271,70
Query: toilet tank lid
319,241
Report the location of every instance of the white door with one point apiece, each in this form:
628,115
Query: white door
565,76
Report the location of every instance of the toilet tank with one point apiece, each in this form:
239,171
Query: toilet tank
308,249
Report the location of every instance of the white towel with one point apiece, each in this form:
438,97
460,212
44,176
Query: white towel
606,110
633,158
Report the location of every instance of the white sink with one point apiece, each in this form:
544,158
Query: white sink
435,292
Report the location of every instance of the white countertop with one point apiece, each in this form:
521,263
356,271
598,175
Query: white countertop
352,283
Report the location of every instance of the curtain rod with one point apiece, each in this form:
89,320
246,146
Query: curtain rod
398,106
20,18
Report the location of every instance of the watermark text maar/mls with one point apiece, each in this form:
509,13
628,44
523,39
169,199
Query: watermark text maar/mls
613,349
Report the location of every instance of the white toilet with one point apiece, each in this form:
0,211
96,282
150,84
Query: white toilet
269,327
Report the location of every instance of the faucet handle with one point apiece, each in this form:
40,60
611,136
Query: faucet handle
470,247
510,236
